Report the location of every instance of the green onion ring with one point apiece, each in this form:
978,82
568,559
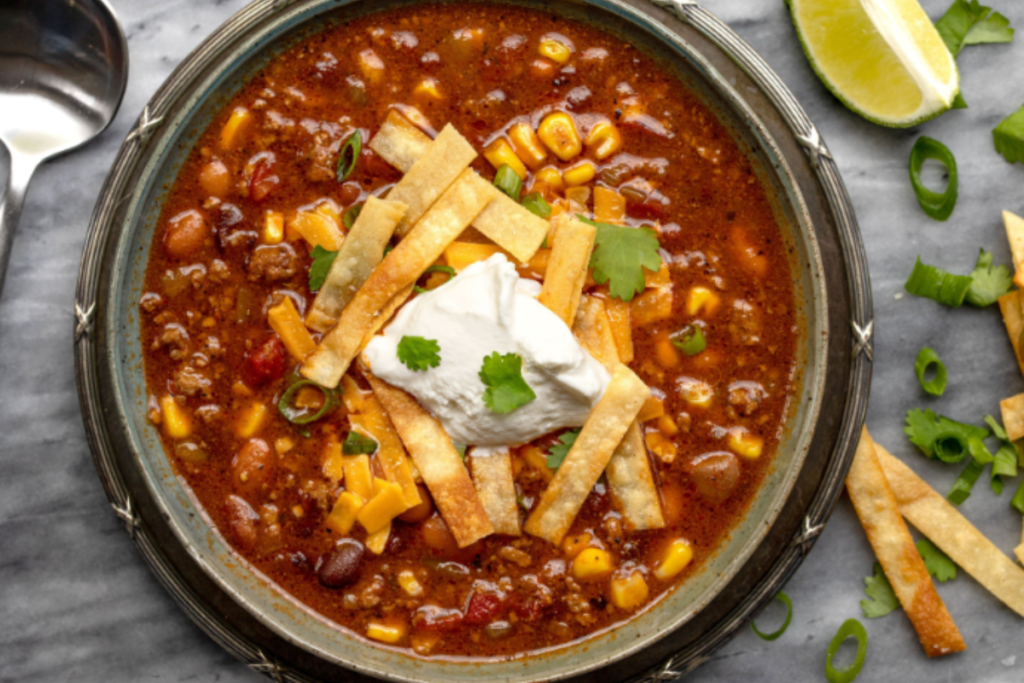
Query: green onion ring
951,447
936,205
938,285
535,204
301,417
349,156
348,219
850,628
961,490
436,269
926,358
509,182
690,340
1018,499
784,599
979,451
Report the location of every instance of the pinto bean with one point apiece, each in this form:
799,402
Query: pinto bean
185,234
252,467
215,179
715,475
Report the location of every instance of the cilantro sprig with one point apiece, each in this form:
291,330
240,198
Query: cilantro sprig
939,437
506,388
321,266
419,353
988,282
971,23
882,598
981,288
620,255
557,453
936,562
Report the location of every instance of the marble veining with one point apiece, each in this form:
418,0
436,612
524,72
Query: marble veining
78,604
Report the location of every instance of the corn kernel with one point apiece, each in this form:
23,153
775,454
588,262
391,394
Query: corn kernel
385,632
343,514
237,121
252,420
387,503
661,447
273,227
177,424
527,145
702,299
604,140
555,50
371,66
500,153
592,564
653,408
407,580
629,592
695,392
745,444
573,544
378,540
667,426
678,554
358,477
580,174
558,133
548,177
427,89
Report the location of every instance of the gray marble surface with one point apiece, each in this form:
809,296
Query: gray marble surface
78,604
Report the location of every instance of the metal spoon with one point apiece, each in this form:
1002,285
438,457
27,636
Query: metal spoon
63,71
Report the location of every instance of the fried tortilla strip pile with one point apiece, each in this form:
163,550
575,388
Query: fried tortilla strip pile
360,253
1015,234
894,547
391,281
504,221
438,462
630,478
588,456
1012,307
426,180
496,486
949,530
567,267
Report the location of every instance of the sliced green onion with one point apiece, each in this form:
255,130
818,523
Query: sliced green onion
850,628
349,156
784,599
938,285
301,416
951,447
1018,499
1004,465
436,269
348,219
509,182
997,429
690,341
357,444
535,204
961,490
979,451
937,205
926,358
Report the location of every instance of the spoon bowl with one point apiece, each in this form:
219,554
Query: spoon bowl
63,72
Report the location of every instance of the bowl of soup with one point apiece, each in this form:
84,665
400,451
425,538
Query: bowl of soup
431,341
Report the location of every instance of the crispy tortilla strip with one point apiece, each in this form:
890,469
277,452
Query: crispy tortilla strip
438,462
1012,410
360,253
399,142
374,422
515,228
449,216
947,528
1013,318
496,486
631,482
593,329
894,547
567,268
447,157
589,455
387,313
1015,234
622,329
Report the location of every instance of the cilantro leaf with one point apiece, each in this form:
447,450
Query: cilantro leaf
418,353
1008,137
557,453
931,433
620,255
355,444
506,388
989,283
1004,465
883,599
968,22
936,562
322,261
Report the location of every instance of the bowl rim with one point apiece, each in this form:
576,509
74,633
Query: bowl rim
102,422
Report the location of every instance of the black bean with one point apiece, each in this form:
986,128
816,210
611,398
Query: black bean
341,566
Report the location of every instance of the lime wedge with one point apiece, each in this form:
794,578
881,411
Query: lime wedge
882,58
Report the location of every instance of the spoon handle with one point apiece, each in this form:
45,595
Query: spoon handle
20,174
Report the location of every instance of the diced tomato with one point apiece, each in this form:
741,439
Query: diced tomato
483,606
435,618
263,180
530,608
266,362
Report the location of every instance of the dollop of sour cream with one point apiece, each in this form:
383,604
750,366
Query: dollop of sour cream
488,308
